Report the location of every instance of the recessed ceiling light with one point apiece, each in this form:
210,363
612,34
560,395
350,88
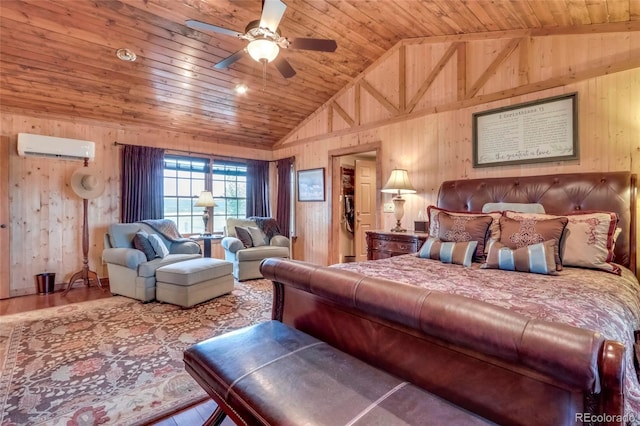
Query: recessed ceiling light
126,55
241,89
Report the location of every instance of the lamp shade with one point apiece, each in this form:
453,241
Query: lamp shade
398,183
205,200
263,50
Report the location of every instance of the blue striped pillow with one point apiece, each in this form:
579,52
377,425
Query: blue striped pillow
537,258
459,253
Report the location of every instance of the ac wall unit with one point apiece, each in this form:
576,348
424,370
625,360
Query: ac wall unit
49,146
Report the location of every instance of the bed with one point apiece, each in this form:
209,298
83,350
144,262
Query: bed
603,296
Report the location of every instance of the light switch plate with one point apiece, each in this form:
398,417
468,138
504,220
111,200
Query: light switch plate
388,208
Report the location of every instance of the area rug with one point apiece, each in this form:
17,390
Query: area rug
114,361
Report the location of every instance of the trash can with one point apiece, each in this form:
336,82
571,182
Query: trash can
46,282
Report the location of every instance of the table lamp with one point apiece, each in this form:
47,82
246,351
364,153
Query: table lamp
398,184
205,200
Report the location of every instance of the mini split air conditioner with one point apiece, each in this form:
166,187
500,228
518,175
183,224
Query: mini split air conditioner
49,146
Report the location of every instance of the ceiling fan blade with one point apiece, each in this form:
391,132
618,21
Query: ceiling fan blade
284,67
272,11
321,45
202,26
226,62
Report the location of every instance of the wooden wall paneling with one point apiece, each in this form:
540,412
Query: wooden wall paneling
346,120
440,84
402,78
380,97
425,68
5,222
524,61
490,70
384,81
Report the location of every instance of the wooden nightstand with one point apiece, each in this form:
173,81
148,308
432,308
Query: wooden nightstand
383,244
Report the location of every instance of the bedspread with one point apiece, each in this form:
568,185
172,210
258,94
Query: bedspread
589,299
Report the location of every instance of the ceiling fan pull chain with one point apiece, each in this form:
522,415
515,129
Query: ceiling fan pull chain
264,75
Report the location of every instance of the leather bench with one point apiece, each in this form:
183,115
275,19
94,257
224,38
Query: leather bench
272,374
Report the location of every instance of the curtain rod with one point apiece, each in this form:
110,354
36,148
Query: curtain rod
224,157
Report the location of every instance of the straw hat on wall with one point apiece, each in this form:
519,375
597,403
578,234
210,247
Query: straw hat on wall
87,183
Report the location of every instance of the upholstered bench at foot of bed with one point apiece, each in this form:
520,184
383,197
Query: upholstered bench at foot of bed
193,281
272,374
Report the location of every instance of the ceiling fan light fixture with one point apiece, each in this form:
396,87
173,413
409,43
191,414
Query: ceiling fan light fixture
263,50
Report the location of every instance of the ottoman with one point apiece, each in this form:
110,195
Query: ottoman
193,281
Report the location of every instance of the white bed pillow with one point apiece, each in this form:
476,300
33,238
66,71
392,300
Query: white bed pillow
516,207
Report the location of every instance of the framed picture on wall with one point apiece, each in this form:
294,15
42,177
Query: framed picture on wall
311,185
534,132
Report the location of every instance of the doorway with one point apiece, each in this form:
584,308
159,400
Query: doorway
354,198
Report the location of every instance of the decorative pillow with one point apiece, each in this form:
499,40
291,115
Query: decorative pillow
158,245
459,253
244,235
588,240
516,207
465,228
528,231
537,258
434,225
257,236
141,242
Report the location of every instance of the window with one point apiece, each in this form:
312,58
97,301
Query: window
186,177
229,189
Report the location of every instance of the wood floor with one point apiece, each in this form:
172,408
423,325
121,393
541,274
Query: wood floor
195,415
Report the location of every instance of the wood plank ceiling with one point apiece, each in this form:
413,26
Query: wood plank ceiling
57,57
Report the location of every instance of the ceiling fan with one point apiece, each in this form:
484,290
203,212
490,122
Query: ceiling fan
264,40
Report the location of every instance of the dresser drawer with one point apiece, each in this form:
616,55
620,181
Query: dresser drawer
383,244
395,246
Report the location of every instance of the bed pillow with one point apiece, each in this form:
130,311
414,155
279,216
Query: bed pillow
536,258
158,245
521,233
434,225
588,240
465,228
516,207
141,242
244,235
459,253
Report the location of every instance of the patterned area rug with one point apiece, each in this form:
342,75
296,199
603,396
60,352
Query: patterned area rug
113,361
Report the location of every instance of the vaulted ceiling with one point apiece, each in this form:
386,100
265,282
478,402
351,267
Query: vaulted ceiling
58,58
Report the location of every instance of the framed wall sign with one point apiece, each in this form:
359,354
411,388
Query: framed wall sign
311,185
533,132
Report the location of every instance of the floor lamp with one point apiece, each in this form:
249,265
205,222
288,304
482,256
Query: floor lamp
87,185
398,184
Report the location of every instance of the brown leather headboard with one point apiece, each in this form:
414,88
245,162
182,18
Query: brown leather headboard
559,194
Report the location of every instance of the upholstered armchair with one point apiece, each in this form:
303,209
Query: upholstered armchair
247,243
132,271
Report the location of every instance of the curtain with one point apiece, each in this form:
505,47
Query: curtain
283,208
258,188
142,183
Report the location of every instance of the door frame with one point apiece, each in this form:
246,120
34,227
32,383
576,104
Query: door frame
334,196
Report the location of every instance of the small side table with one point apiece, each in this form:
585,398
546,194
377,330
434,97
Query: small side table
207,242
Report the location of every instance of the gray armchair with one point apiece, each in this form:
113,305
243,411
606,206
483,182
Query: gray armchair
245,256
131,273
